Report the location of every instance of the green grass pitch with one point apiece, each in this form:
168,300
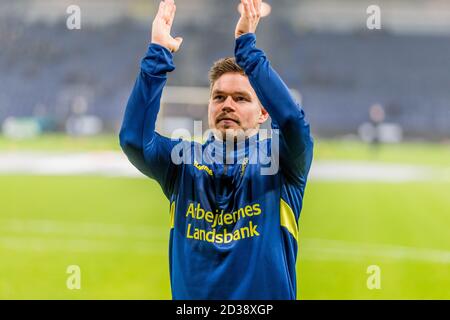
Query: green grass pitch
116,230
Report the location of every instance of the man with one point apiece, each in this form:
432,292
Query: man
234,231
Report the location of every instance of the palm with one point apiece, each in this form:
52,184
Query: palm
250,16
162,26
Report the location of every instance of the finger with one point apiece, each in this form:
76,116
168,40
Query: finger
172,13
167,9
252,8
161,9
257,4
246,11
170,4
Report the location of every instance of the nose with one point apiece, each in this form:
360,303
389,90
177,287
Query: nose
228,105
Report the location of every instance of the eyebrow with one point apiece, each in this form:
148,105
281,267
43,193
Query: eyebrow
234,93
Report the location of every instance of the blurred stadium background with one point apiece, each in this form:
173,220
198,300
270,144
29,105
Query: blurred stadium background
378,102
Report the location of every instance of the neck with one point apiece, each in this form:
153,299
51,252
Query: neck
234,136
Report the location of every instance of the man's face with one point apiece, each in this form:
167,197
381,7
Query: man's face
234,105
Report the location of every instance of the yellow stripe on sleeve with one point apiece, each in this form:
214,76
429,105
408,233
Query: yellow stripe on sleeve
172,215
287,219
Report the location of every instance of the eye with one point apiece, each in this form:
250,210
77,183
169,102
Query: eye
243,99
219,97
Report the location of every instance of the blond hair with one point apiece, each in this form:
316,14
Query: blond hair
222,66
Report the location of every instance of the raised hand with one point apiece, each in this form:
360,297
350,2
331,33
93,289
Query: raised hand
162,26
250,16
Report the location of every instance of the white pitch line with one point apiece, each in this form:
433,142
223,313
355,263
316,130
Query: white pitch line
109,163
360,171
54,227
41,245
151,240
321,249
115,164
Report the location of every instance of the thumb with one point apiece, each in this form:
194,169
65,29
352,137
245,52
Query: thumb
177,43
179,40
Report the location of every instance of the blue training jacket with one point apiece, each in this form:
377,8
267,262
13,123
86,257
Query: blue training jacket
234,231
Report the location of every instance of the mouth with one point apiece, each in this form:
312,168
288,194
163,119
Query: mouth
227,120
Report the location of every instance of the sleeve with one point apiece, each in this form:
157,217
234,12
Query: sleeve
296,143
148,151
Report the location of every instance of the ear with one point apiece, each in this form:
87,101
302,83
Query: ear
264,115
